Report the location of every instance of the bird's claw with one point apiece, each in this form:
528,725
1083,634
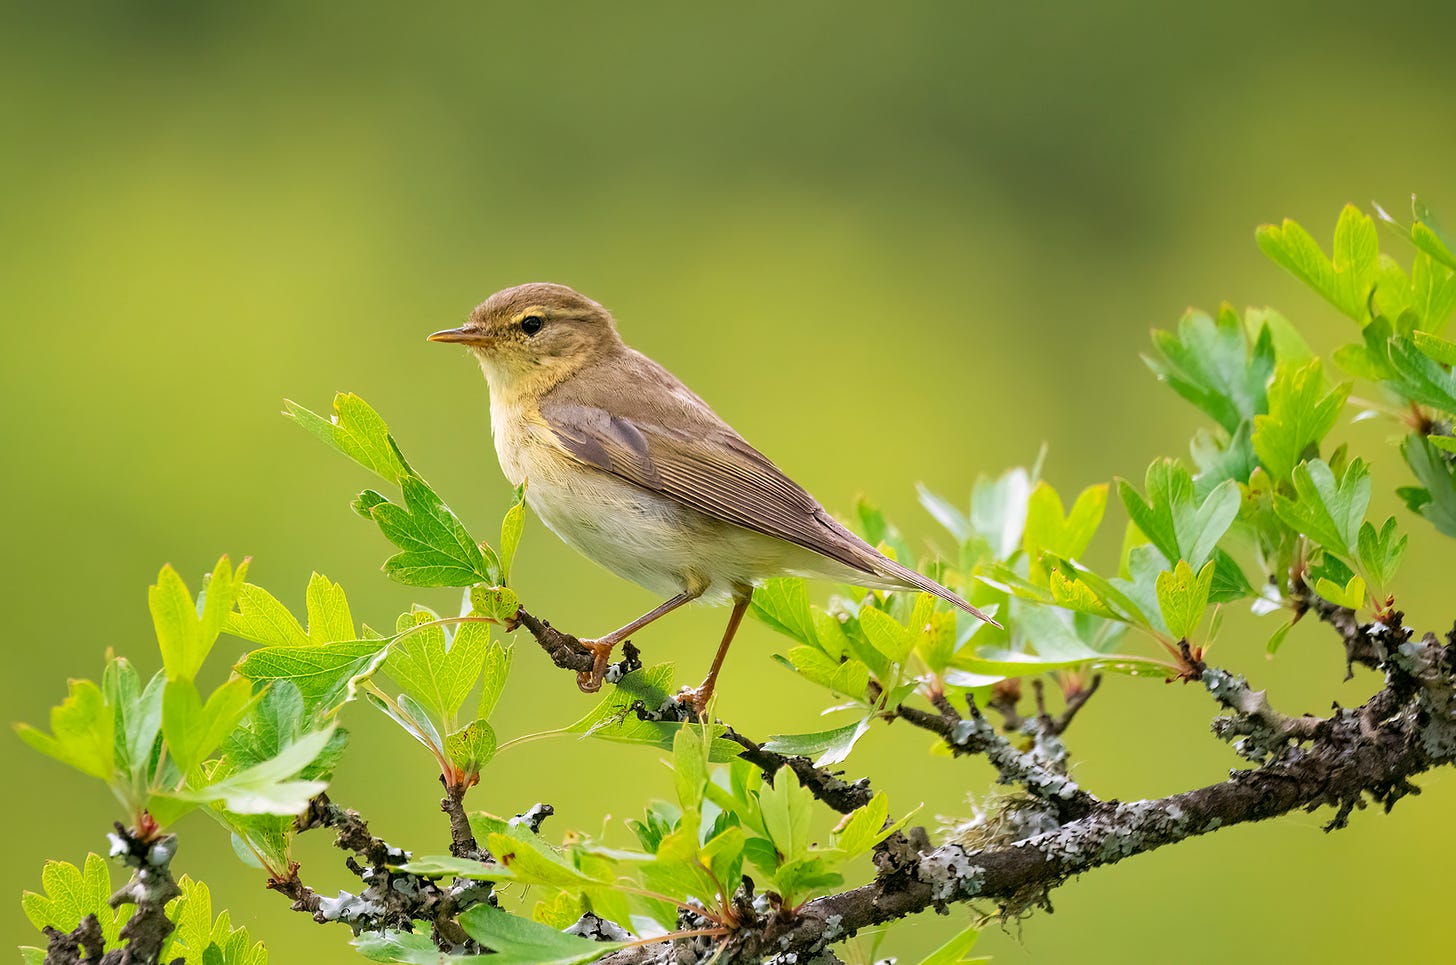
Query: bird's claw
590,681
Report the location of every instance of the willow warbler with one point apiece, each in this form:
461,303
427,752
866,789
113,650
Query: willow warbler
632,469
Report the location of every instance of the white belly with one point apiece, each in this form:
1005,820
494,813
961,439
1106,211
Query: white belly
640,535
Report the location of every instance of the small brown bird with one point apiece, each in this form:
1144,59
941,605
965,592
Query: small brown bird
636,472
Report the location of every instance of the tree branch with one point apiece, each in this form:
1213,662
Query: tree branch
150,888
1370,752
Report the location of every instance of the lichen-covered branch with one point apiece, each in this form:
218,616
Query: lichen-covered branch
569,653
151,886
1365,754
1044,778
389,898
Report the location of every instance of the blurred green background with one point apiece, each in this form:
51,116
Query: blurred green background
889,245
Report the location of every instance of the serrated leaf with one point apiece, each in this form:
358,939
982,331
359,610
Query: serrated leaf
329,619
83,732
864,827
186,630
1301,413
849,677
827,747
783,603
1214,365
1381,552
357,431
326,675
1437,500
496,602
886,634
261,618
788,809
201,940
272,785
434,669
1173,518
613,718
1435,348
1050,530
471,747
436,549
1328,509
1183,597
1351,595
193,729
1346,278
69,894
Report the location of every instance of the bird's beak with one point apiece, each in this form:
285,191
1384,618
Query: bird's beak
465,336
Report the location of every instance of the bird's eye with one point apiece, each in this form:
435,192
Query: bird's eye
531,324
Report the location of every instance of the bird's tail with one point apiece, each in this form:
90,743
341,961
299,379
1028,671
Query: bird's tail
902,576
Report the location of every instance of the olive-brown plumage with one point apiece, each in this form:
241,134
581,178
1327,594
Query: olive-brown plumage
633,469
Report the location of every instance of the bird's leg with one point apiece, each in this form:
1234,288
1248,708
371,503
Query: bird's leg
601,647
700,695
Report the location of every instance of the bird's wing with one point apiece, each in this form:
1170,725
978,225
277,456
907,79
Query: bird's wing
686,453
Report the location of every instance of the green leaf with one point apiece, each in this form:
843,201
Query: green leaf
999,509
262,619
1351,595
690,766
804,876
327,676
1419,377
1183,597
519,941
783,603
194,730
494,670
202,941
270,786
1301,413
1049,530
70,894
1277,639
865,827
1344,280
1173,518
357,431
83,732
1213,365
1328,510
329,619
954,951
496,602
1381,552
788,809
886,634
827,746
471,747
613,718
437,670
1437,500
511,527
186,630
850,677
1436,349
407,948
436,549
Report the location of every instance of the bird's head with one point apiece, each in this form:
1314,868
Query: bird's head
537,333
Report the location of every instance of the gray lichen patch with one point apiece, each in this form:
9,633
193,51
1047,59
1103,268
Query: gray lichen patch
951,874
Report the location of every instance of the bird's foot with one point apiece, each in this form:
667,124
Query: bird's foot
590,681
